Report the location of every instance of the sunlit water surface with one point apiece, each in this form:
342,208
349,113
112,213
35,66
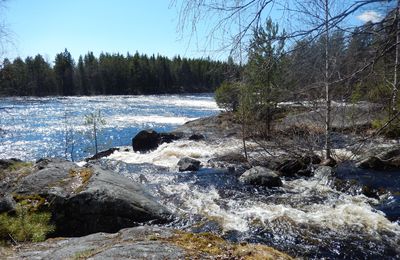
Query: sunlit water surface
32,128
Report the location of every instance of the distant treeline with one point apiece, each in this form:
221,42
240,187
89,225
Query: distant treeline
109,74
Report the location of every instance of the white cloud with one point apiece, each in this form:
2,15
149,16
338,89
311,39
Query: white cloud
370,16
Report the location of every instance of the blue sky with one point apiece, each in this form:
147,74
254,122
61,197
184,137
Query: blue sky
48,27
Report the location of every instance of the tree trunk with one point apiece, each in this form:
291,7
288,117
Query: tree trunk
326,83
95,135
396,64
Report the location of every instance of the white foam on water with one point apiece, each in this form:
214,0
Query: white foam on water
336,211
127,119
205,202
343,214
168,154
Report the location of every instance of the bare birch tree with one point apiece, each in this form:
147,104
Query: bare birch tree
396,64
321,16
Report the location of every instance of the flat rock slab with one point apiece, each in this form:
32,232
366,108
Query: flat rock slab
143,242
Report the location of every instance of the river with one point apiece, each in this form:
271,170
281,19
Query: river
306,217
33,128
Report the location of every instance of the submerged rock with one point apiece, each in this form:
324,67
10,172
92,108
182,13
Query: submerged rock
169,137
233,162
261,176
102,154
145,140
196,137
85,200
188,164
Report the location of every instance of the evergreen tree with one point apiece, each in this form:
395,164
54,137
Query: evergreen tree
64,70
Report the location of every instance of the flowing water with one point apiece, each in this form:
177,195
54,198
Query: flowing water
305,217
32,128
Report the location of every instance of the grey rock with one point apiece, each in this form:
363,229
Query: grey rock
108,203
261,176
300,166
232,158
51,173
85,200
188,164
214,127
7,203
386,160
132,243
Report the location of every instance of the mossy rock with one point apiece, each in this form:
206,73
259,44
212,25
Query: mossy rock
208,244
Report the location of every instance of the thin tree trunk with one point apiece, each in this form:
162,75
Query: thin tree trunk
396,64
240,64
244,139
327,91
95,136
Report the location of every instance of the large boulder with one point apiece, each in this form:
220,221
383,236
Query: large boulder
386,160
188,164
261,176
145,140
85,200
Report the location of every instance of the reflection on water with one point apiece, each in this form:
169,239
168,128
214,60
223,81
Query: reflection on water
37,127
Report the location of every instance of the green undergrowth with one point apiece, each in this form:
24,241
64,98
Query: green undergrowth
25,225
389,130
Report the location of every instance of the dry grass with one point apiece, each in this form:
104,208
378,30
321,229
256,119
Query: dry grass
203,244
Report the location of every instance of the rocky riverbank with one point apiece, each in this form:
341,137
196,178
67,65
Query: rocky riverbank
86,200
144,242
196,179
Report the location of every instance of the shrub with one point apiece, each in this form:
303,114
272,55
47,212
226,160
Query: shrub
227,96
25,225
392,130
